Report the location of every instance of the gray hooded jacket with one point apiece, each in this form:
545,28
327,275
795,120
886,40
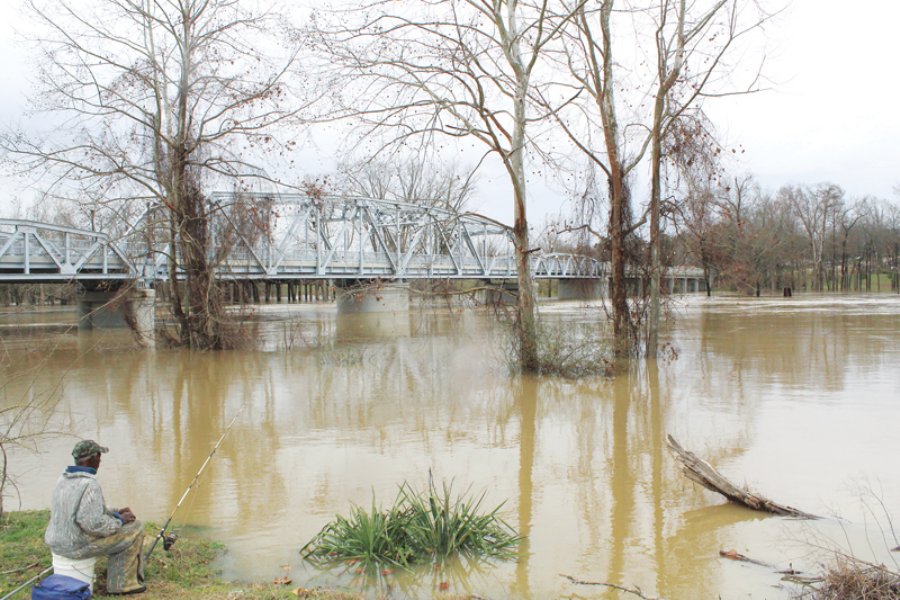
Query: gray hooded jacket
78,513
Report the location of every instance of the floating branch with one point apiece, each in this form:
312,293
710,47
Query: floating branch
635,590
700,471
736,556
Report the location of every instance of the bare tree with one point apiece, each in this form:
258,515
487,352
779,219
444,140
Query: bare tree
692,41
753,236
159,99
588,54
461,68
697,218
24,420
846,218
411,180
815,208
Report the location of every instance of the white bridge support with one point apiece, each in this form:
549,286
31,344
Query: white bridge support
580,289
498,293
134,308
372,297
687,283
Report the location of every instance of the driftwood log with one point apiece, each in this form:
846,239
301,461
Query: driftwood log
700,471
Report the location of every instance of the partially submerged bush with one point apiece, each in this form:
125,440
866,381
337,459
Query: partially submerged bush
850,579
569,350
570,354
420,527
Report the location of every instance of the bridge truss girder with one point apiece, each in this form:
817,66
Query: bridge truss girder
293,236
40,252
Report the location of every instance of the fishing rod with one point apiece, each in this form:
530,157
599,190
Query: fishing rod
27,583
169,540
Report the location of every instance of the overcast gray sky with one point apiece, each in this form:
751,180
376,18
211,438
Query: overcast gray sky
831,114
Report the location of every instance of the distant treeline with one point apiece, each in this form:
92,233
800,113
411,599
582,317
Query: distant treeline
802,237
37,294
807,238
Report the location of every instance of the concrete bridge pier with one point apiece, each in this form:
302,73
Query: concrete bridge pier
494,294
580,289
372,296
136,309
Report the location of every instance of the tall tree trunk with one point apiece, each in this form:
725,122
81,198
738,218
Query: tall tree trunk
844,285
204,304
618,227
175,295
667,75
619,213
204,307
655,194
525,303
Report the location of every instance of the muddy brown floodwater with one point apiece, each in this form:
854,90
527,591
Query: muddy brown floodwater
798,398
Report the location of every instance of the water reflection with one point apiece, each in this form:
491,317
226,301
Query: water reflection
527,407
335,411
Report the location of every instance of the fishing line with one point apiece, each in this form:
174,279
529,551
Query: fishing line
24,585
169,540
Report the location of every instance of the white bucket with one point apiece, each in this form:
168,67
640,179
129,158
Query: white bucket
81,569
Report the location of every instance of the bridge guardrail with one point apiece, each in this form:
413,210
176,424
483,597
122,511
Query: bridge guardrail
299,238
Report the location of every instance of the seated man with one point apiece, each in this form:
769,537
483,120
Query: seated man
81,526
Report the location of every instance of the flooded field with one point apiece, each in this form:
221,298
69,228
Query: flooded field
798,398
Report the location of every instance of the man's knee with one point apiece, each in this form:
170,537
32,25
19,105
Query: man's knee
134,526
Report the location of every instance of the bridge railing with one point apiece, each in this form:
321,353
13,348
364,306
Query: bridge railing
257,236
58,253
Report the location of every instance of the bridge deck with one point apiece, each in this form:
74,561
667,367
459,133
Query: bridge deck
301,238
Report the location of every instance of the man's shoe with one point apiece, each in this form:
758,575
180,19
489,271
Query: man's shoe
139,590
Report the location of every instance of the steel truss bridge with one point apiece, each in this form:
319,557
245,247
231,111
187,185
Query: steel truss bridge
285,237
291,237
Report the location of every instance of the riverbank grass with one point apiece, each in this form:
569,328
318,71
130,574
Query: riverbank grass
22,551
187,571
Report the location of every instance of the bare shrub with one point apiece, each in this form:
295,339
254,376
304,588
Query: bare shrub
567,350
851,579
22,424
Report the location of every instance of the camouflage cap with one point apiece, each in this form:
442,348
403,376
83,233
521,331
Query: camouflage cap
86,448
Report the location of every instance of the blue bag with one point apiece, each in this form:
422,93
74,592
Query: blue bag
61,587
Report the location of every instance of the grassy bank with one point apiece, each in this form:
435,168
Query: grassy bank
187,571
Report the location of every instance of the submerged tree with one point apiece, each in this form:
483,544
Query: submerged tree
462,68
630,104
149,103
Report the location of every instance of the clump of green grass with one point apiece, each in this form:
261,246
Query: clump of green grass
445,526
370,537
420,527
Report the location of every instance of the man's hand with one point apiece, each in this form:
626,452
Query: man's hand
127,514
